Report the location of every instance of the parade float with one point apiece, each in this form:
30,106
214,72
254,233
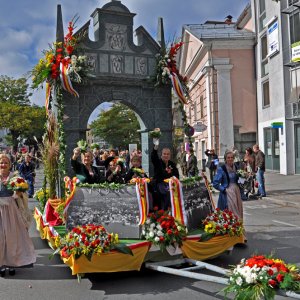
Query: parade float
111,227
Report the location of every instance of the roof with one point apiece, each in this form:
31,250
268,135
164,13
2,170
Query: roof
217,30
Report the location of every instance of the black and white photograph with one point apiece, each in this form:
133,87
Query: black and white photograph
197,204
116,210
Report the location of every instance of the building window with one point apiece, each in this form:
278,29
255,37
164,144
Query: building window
201,107
266,93
262,14
195,111
264,56
294,27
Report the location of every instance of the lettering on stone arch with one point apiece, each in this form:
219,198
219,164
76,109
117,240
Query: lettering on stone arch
92,61
116,36
141,65
117,64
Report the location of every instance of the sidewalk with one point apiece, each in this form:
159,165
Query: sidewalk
279,188
282,187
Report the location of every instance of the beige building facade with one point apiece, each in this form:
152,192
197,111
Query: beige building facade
218,59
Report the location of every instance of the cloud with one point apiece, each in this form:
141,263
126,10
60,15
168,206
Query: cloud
27,27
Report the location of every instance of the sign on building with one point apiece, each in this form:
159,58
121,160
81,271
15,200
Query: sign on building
296,52
273,40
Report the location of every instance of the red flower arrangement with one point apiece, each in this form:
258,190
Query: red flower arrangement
259,276
221,222
49,67
163,230
88,240
166,64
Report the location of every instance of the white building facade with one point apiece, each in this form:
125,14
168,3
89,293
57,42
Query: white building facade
277,27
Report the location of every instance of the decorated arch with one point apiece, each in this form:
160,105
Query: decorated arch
121,72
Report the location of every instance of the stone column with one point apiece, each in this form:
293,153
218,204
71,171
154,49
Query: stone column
225,114
206,72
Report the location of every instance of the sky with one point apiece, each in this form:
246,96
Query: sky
28,26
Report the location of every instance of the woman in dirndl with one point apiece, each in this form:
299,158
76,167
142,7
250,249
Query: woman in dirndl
16,247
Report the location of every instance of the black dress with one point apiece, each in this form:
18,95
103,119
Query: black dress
83,174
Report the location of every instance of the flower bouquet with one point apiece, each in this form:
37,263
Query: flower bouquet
61,58
259,277
88,240
163,230
82,144
242,176
138,172
155,134
42,195
166,64
17,184
221,222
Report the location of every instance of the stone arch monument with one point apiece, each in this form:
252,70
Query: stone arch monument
121,73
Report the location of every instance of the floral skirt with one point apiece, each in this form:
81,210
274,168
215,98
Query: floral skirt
16,247
234,200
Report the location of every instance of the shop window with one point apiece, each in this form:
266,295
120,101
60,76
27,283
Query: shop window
266,93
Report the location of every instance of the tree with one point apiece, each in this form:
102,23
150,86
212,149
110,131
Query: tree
118,126
14,90
26,121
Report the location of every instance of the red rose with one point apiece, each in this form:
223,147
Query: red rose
12,184
280,277
169,232
272,283
86,243
270,272
161,238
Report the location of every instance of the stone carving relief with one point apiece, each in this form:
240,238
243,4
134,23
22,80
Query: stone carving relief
117,63
116,37
92,61
141,65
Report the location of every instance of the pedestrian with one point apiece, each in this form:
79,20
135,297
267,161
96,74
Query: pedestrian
16,247
27,171
260,170
192,164
212,162
225,181
182,161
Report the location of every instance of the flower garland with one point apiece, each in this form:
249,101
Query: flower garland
163,230
259,277
221,222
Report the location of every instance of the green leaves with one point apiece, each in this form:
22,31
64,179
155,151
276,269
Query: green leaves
205,236
82,144
117,126
123,249
14,91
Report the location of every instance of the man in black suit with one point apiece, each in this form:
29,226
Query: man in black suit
163,168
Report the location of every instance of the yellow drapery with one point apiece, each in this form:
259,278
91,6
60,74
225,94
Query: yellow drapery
193,249
109,262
